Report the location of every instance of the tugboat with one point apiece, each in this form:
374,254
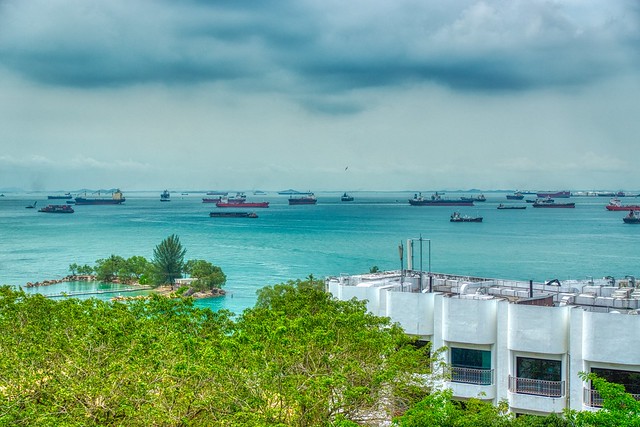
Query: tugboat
346,198
456,217
165,196
57,209
632,218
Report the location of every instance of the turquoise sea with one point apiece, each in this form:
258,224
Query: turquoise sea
330,238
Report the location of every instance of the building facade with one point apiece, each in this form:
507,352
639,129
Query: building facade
524,343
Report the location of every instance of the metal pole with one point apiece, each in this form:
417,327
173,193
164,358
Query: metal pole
420,262
401,252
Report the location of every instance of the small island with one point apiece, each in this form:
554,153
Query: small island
164,274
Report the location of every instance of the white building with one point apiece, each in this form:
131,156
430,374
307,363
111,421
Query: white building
521,342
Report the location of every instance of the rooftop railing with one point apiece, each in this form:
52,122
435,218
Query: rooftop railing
536,387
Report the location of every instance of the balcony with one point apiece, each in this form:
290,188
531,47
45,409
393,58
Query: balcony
544,388
592,398
471,375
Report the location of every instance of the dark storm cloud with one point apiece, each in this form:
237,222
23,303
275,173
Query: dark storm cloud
315,48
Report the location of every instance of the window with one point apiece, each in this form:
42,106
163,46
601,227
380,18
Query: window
471,366
541,377
629,379
538,369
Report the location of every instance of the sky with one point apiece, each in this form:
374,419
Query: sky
319,95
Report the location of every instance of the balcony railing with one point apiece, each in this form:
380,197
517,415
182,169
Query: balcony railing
471,375
593,399
537,387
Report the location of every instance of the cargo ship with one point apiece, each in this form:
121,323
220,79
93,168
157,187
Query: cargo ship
548,203
240,204
554,194
437,200
57,209
66,196
303,200
615,205
233,215
115,199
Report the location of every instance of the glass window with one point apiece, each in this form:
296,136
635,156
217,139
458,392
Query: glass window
538,369
629,379
468,358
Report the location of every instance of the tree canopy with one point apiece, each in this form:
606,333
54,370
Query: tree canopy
299,358
168,259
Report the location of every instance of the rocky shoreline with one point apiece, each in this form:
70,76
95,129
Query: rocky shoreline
165,290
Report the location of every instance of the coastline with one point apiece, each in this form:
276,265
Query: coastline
164,290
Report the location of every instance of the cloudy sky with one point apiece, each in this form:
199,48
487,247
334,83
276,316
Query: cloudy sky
321,95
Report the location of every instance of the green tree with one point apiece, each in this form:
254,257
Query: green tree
108,269
86,270
73,268
440,410
304,358
208,276
168,260
619,408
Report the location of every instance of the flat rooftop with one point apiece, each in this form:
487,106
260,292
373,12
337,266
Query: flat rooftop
607,294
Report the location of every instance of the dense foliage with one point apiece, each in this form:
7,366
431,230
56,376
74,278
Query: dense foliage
298,358
207,275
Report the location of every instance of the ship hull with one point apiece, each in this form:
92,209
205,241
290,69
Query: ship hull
439,203
554,195
243,205
83,201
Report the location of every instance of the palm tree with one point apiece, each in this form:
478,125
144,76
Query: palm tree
168,259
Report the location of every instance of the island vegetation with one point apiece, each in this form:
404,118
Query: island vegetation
167,265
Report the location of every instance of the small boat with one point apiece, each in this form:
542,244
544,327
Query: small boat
33,206
346,198
57,209
309,199
233,215
165,196
437,200
456,217
479,198
550,203
515,196
501,206
553,194
632,218
616,205
66,196
531,200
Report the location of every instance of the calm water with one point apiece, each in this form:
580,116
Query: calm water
333,237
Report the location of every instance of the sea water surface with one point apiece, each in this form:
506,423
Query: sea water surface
330,238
